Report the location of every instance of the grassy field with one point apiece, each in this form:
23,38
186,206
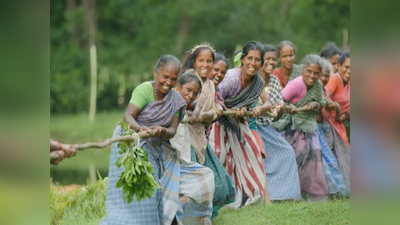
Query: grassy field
87,206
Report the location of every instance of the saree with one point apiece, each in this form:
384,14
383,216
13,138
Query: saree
304,121
339,149
337,183
296,71
206,102
343,98
280,161
237,149
217,100
235,97
147,211
300,131
224,192
274,93
188,189
335,143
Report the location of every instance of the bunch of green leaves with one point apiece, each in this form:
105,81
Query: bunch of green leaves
236,60
137,179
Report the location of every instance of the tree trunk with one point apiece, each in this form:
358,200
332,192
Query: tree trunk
90,19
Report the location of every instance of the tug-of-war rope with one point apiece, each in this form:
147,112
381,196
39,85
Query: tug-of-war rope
137,181
54,156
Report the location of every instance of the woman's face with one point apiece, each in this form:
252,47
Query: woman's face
269,62
218,72
166,78
251,62
287,56
324,77
189,91
344,70
335,62
203,63
311,74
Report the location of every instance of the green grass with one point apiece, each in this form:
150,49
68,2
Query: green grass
87,206
84,206
331,212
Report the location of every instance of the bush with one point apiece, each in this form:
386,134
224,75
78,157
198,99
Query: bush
83,206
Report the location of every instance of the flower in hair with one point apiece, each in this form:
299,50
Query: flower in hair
204,45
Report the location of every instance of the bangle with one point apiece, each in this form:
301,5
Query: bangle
59,145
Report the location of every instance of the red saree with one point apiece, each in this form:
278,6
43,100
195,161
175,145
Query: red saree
278,73
343,98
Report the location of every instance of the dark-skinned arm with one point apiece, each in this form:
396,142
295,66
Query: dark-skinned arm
265,107
131,112
168,133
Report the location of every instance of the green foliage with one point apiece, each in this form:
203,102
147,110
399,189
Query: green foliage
132,35
137,179
83,206
236,60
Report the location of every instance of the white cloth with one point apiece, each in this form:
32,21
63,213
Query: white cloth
181,142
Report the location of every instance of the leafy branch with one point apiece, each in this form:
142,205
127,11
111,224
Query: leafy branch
137,179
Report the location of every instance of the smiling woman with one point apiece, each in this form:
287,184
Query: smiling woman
286,53
156,109
203,112
231,138
280,160
300,130
190,196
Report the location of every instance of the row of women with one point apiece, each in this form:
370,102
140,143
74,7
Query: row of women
233,160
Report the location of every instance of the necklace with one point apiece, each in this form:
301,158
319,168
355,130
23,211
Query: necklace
155,90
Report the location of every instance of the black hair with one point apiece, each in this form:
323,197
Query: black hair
343,57
283,43
269,48
188,76
330,49
191,57
167,59
221,57
311,59
253,45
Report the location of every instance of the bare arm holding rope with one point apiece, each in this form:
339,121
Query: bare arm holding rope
58,155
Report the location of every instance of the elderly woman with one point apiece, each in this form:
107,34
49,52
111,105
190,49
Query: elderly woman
156,108
200,60
280,161
190,195
300,127
286,53
231,138
339,91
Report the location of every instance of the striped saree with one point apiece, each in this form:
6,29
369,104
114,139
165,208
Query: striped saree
147,211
